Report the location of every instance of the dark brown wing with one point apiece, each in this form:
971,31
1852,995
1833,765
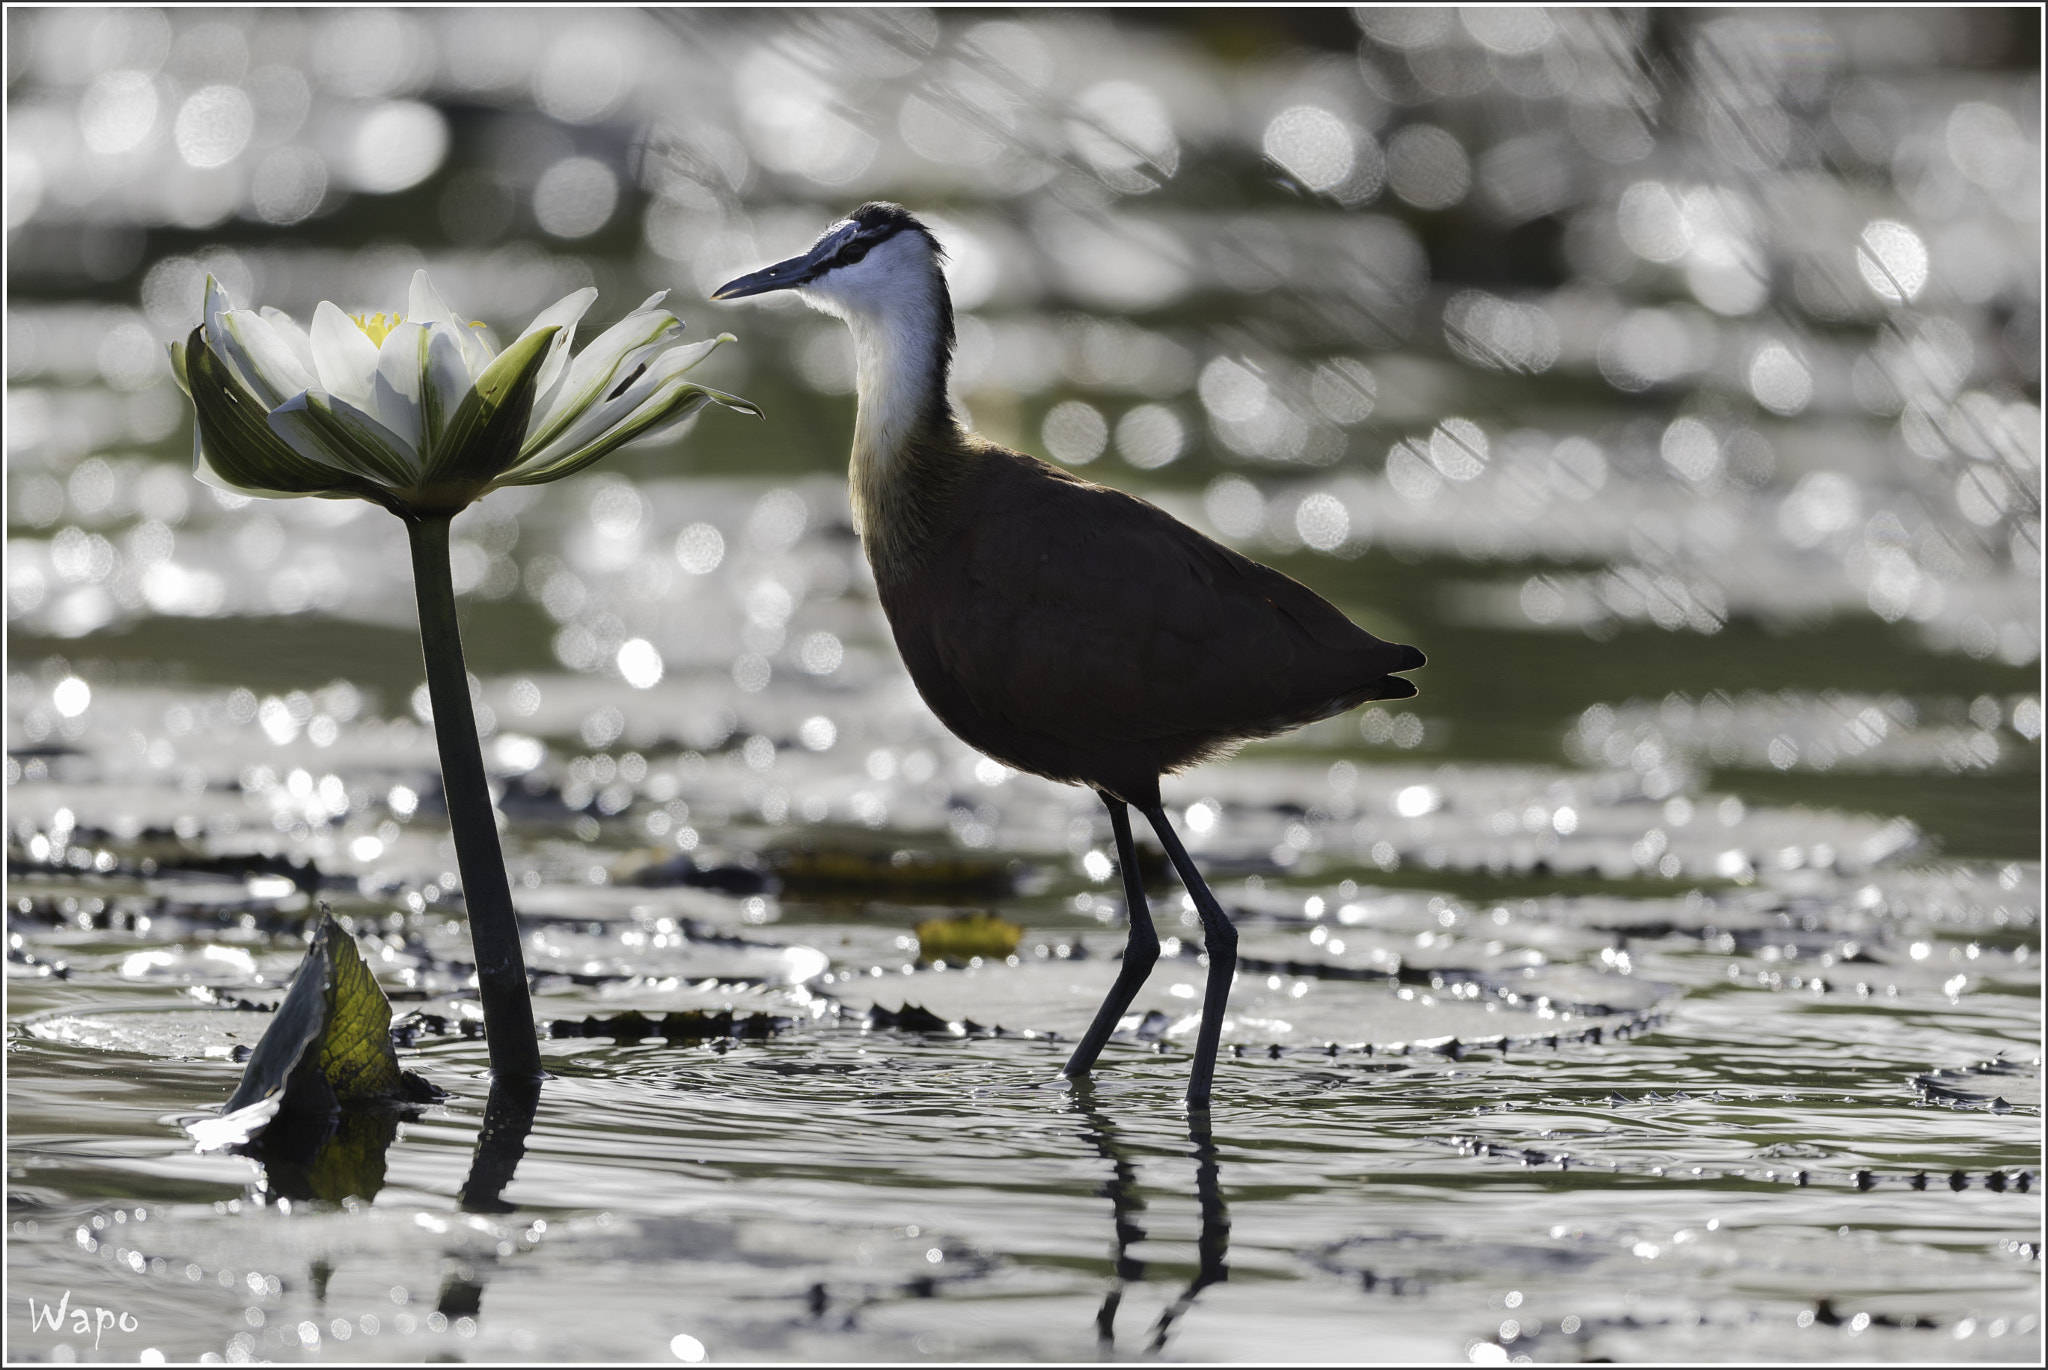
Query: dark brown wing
1079,612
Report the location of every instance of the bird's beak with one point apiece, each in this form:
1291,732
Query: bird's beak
781,276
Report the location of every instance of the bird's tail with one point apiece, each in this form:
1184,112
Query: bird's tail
1388,685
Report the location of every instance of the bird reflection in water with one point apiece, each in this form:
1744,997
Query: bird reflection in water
1212,1245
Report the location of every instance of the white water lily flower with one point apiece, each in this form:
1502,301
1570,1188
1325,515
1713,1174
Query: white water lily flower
417,413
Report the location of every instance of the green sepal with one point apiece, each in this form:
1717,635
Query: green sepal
178,367
489,426
234,430
687,400
593,384
734,402
352,442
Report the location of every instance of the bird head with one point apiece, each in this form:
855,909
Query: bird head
877,257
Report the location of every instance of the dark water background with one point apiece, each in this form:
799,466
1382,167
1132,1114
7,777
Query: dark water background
1662,983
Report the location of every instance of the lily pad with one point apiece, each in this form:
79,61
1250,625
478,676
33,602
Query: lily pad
823,872
1061,996
966,936
1999,1085
176,1034
688,1026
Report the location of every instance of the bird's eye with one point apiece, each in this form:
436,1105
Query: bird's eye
852,253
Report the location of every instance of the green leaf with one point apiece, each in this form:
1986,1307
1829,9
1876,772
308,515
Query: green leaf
356,1058
484,435
297,1026
330,1043
234,430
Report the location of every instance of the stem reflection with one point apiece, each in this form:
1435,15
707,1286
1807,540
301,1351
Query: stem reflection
508,1117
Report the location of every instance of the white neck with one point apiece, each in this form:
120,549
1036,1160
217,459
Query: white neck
894,301
895,384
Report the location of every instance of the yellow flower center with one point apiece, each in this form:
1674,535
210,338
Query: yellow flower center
378,326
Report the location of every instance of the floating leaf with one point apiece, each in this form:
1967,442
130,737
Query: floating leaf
911,1018
330,1043
692,1025
644,869
1999,1085
966,936
309,1103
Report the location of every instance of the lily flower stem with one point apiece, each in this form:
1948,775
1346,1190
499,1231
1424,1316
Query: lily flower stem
493,925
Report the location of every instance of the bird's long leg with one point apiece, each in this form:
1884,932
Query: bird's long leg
1220,940
1140,952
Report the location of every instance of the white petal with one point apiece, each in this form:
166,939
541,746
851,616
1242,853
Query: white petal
344,437
217,304
216,311
423,304
447,380
401,367
477,352
660,398
260,358
655,405
681,359
592,423
294,335
671,404
365,425
288,421
247,346
564,313
616,353
343,355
